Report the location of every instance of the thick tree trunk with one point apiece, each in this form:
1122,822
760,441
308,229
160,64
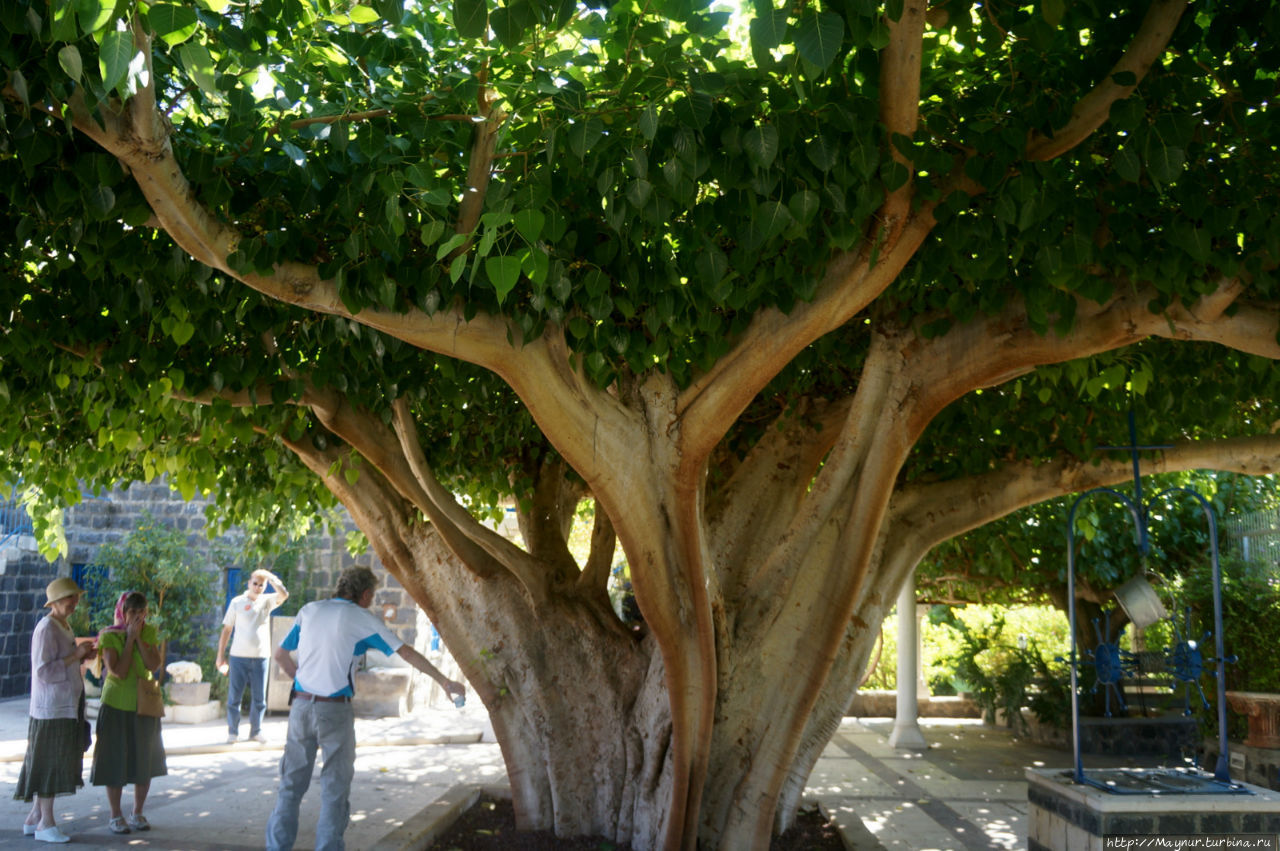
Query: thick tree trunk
577,701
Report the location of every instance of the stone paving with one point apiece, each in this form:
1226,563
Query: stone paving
965,792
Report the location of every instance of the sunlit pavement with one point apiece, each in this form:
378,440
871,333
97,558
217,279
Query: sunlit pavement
218,795
965,792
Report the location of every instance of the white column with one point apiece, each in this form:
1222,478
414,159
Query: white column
906,733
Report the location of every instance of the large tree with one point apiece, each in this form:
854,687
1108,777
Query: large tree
719,275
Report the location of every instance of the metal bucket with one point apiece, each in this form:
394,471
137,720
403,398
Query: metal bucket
1140,602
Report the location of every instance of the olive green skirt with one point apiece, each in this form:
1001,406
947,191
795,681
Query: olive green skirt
127,749
54,763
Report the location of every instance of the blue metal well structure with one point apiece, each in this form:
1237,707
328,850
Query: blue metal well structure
1161,780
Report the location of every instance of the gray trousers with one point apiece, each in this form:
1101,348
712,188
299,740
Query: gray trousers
331,728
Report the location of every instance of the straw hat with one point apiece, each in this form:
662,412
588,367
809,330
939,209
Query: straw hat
60,588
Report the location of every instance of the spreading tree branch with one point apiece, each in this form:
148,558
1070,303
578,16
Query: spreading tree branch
900,103
460,530
1092,110
937,511
595,575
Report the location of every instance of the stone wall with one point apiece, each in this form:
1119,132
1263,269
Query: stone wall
22,582
99,520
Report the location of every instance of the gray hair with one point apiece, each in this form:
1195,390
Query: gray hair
354,581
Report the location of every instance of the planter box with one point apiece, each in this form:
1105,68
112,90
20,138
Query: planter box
1263,711
198,714
189,694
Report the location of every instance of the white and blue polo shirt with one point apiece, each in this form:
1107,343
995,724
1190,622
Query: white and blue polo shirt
329,636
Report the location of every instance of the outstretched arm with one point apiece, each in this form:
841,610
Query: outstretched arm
452,687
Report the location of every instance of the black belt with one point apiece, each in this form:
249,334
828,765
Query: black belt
343,698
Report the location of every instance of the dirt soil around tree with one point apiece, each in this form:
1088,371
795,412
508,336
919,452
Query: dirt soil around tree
491,826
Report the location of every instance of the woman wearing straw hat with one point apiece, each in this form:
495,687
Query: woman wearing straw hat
55,734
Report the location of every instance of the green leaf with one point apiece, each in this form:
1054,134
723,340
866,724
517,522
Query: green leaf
114,58
471,18
69,60
198,62
585,133
648,124
694,110
804,205
63,25
93,15
387,292
529,224
450,244
363,15
638,192
767,31
508,25
712,265
19,84
175,24
761,144
432,231
503,273
99,200
1164,162
822,153
1194,241
1052,11
772,218
1127,164
535,263
818,37
182,332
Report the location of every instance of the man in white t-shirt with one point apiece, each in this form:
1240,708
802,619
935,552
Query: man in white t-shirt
330,636
248,624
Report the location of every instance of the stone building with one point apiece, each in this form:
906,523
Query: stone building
99,520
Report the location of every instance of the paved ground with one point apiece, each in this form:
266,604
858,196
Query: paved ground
965,792
218,796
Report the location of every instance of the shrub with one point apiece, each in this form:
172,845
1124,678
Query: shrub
1005,675
156,560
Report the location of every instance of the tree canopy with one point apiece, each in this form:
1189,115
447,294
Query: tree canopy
793,296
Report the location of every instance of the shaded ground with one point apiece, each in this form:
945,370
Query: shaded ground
491,826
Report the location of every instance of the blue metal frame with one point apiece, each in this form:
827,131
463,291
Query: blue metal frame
233,586
14,521
1138,511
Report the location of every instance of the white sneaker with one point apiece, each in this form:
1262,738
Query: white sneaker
29,829
259,738
52,834
232,738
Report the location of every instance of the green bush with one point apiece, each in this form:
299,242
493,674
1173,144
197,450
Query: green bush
155,560
1251,632
1004,675
1002,656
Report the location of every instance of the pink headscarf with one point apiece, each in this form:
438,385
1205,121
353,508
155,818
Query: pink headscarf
119,625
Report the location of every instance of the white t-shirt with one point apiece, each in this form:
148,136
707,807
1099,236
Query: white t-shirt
329,636
250,621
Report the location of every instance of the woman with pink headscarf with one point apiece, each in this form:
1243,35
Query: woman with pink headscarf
129,748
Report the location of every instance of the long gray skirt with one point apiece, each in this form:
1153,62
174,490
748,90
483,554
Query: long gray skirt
54,763
127,749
